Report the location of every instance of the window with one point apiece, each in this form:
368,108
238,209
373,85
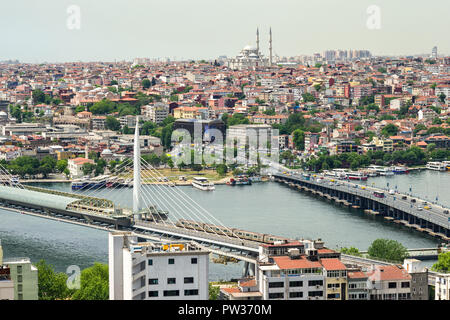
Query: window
312,283
171,293
19,278
19,287
189,280
296,284
193,260
191,292
150,262
333,285
315,293
392,285
20,296
152,281
276,284
171,280
171,261
278,295
19,269
405,284
295,294
152,294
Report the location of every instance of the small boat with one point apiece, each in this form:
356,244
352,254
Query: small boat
14,180
239,181
400,170
202,184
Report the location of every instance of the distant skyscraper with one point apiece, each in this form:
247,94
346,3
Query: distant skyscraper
434,52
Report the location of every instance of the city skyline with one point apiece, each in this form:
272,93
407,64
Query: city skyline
47,32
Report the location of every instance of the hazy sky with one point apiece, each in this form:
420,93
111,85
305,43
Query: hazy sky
36,30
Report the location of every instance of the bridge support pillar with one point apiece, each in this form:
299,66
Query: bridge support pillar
245,269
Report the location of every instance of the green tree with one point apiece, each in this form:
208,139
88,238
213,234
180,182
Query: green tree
88,168
443,263
351,251
222,169
38,96
386,249
389,130
146,83
213,292
170,163
299,139
94,283
112,123
51,285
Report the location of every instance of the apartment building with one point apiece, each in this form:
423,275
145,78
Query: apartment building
25,278
290,271
336,279
157,112
442,287
391,282
419,279
156,271
357,285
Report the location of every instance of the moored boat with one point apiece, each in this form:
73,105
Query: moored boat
202,184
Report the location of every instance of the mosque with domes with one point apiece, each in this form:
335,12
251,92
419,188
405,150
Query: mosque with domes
251,58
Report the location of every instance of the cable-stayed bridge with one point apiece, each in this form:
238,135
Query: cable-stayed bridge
160,210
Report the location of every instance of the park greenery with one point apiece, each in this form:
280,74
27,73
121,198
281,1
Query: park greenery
389,250
52,285
25,166
443,263
382,249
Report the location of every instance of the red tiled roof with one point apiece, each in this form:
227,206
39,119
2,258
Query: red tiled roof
285,262
332,264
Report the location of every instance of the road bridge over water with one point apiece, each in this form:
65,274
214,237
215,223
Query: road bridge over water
396,207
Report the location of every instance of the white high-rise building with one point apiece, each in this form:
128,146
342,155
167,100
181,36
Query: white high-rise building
434,52
156,271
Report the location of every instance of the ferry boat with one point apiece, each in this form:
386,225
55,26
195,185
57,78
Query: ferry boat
202,184
400,170
357,176
437,166
79,184
384,171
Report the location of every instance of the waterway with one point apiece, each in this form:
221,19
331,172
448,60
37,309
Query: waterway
263,207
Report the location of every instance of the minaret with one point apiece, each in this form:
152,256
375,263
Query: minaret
270,47
136,171
257,40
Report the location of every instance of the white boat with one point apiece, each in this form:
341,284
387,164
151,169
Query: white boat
202,184
341,173
14,180
437,166
384,171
